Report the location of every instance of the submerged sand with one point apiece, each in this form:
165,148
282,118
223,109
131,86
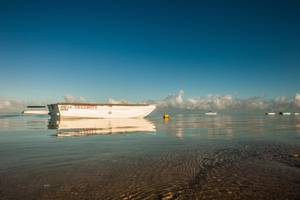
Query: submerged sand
244,170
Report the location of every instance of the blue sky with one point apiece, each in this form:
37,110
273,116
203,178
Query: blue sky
138,50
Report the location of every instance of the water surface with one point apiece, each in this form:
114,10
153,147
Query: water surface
191,156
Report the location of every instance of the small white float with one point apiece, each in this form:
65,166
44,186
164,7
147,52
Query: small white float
211,113
284,113
270,113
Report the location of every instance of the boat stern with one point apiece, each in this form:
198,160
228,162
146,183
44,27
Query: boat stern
53,110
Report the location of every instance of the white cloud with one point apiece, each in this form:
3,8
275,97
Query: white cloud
17,106
254,103
281,100
297,100
11,106
171,100
72,99
227,102
210,102
113,101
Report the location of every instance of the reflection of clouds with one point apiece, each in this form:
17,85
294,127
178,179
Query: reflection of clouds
18,122
196,125
5,123
226,127
219,127
175,127
180,133
84,127
298,125
259,125
179,130
37,123
11,122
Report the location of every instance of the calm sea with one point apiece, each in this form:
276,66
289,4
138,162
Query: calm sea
190,156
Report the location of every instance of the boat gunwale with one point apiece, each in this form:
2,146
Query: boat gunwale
35,106
103,104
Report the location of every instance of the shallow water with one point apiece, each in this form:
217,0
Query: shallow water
188,157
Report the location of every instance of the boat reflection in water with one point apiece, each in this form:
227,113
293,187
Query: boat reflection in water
86,127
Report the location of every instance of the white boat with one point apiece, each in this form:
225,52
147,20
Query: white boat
85,127
211,113
36,110
284,113
270,113
296,113
94,110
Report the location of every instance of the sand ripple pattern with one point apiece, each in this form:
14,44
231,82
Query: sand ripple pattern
245,170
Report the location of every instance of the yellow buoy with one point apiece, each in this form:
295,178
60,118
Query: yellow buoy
166,116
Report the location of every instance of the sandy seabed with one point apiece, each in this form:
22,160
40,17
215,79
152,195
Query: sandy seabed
243,170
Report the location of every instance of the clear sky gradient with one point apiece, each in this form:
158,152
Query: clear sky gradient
138,50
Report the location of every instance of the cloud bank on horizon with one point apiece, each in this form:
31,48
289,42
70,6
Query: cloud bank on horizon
228,102
72,99
213,102
10,105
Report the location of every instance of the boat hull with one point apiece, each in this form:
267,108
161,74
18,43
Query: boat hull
35,112
106,111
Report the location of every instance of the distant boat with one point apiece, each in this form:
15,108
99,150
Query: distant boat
270,113
36,110
211,113
296,113
284,113
95,110
85,127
